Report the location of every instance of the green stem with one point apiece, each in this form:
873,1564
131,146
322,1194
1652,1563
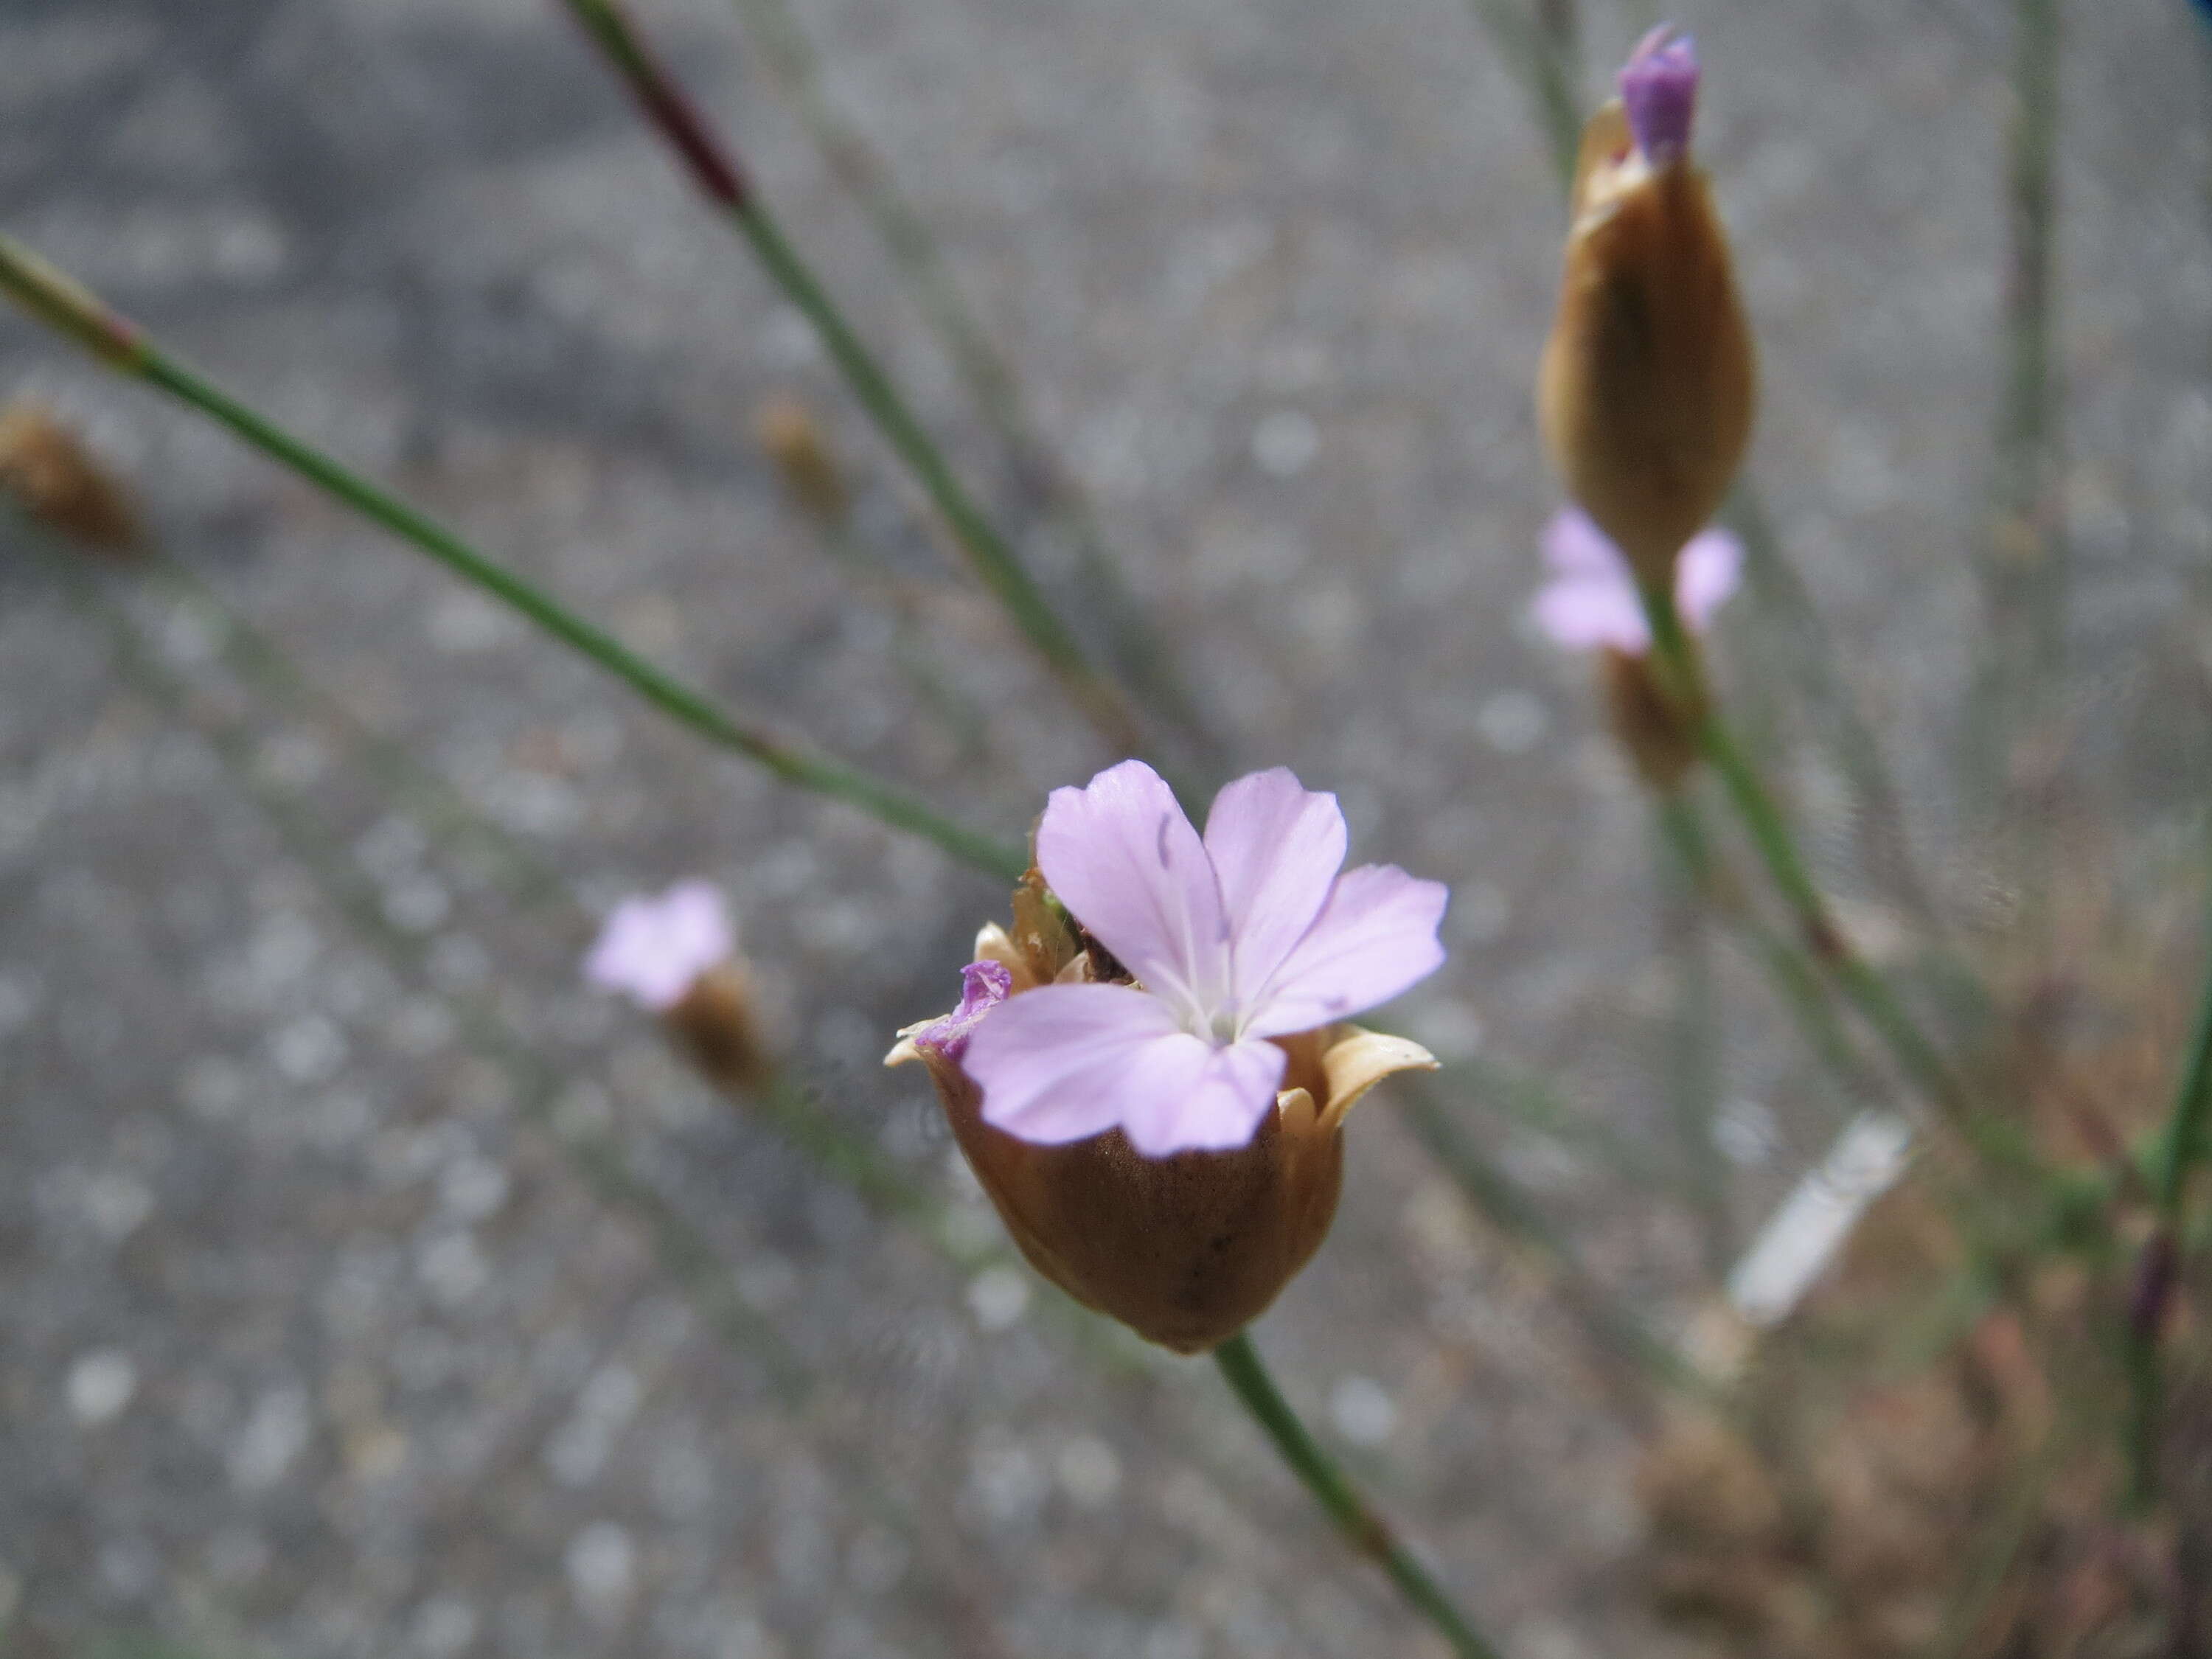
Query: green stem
1366,1531
1542,45
2018,706
1788,969
993,562
1865,989
53,300
1692,1083
2177,1150
912,249
678,1246
1635,1357
1795,651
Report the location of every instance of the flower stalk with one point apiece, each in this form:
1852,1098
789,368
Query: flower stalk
2158,1269
54,299
1135,646
1865,989
1367,1532
718,175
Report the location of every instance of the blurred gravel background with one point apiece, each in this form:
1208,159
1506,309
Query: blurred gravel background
319,1332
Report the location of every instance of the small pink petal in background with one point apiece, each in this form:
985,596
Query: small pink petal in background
1590,601
1709,571
653,950
1590,598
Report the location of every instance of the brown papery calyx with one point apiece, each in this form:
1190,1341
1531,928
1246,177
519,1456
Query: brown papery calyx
1648,383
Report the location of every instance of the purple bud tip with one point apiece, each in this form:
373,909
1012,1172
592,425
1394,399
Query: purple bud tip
1659,88
983,987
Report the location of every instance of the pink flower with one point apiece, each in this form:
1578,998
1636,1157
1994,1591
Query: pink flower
1591,599
1252,932
654,950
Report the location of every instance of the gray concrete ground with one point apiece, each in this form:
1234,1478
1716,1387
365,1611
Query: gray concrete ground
317,1337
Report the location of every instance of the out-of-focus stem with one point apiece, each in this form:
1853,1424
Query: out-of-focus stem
716,172
1633,1358
1366,1531
1792,973
54,300
679,1247
1529,1101
1795,649
2017,733
1865,989
1543,47
1693,1032
2179,1148
1135,645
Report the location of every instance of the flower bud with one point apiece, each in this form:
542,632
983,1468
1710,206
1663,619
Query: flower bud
1647,384
714,1023
675,956
47,468
1590,601
1186,1250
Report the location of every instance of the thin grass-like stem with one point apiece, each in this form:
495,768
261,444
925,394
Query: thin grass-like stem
1865,989
1693,1030
715,168
2180,1145
1136,646
1788,967
2017,728
72,310
681,1249
1634,1358
1366,1531
1792,648
1541,47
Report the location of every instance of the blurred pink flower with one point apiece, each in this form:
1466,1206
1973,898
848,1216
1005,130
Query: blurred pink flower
1253,932
654,949
1590,599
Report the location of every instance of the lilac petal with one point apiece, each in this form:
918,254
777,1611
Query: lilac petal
1217,1110
1575,546
1707,572
1072,1060
1276,847
1375,937
653,950
1591,599
1659,88
1128,865
983,987
1580,614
